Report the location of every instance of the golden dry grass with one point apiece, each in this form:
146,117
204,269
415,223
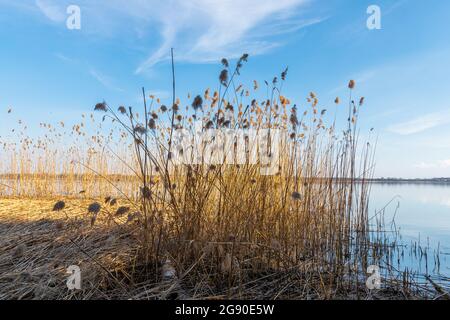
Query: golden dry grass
38,245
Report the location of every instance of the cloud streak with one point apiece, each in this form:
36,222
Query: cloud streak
441,164
200,30
104,80
420,124
227,28
52,11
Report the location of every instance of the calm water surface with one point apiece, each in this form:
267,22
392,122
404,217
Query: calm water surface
422,215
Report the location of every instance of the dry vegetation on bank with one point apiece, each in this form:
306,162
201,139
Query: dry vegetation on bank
38,244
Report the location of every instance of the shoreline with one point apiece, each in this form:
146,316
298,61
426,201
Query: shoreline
435,181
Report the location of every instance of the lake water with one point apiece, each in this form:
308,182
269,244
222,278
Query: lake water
422,215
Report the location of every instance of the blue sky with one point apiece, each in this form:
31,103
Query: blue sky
49,73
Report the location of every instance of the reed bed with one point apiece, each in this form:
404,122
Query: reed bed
38,244
152,227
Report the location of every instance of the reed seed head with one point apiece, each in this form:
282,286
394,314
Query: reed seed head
225,63
351,84
284,74
101,107
296,195
59,206
224,77
122,110
146,192
121,211
140,129
94,207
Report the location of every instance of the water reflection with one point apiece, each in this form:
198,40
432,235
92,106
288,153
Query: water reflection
422,215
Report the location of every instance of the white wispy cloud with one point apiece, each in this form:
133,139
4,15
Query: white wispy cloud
420,124
215,29
63,57
199,30
106,81
440,164
445,163
51,10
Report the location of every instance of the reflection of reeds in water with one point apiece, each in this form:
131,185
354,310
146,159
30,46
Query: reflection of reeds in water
226,230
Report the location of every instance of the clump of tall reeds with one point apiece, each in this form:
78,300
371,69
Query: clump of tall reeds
221,225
